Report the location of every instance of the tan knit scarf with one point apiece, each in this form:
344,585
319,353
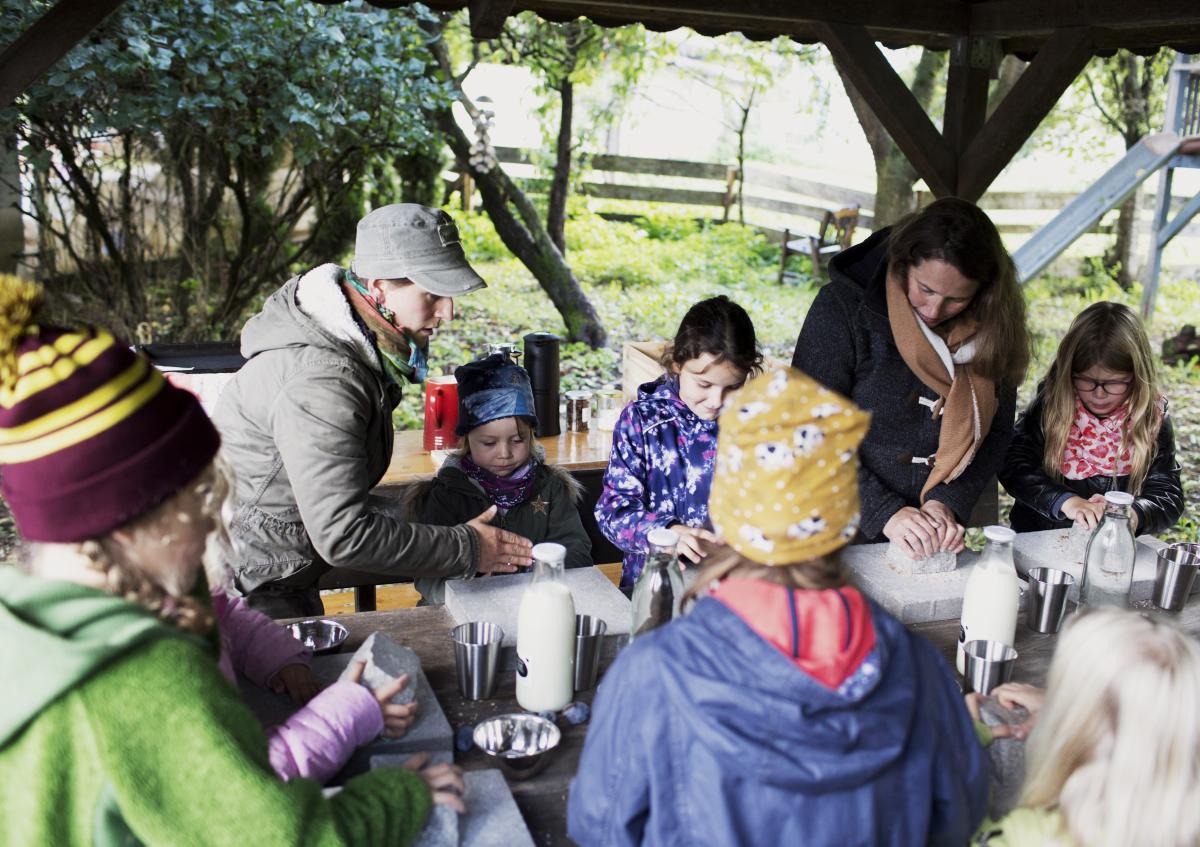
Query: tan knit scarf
966,401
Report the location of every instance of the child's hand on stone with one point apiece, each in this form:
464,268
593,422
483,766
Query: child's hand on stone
445,781
1085,512
693,542
397,719
297,681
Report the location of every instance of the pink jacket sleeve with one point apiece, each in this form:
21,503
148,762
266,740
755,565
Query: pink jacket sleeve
317,741
256,646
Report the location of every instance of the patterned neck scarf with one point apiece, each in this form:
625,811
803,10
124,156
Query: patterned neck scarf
505,491
401,355
1094,445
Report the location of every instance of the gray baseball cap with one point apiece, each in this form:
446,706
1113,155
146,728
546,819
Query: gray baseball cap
410,241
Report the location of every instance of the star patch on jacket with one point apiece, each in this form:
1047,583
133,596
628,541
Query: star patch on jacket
540,505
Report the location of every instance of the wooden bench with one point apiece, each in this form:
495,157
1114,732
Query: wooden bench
834,236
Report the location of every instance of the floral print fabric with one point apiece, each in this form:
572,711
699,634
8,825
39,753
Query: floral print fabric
1093,443
659,473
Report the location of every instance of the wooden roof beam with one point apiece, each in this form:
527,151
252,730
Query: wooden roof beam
893,103
49,39
1011,18
1056,65
488,17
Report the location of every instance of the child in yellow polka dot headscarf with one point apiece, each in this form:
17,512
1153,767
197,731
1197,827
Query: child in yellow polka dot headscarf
783,680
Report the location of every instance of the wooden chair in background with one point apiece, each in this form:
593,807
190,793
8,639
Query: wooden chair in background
834,236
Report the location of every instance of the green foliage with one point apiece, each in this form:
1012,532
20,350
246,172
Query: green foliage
228,126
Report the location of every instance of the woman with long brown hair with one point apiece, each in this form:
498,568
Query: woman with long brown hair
1097,424
923,325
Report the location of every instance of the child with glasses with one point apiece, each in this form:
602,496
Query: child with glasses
1097,424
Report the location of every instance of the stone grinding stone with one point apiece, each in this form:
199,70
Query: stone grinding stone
911,597
492,819
937,563
386,661
430,731
497,599
1007,757
441,830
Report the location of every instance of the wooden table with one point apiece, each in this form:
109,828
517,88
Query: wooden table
543,799
573,451
583,454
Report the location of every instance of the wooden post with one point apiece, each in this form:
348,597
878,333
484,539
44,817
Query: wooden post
468,191
731,176
12,222
783,253
971,65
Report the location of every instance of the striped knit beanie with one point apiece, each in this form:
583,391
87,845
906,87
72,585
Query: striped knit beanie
91,435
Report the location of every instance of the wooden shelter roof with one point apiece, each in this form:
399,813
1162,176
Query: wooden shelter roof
1020,26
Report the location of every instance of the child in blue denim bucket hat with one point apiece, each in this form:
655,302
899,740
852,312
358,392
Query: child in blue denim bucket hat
498,462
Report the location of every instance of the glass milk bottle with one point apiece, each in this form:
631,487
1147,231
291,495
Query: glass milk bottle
546,635
992,594
1111,551
659,587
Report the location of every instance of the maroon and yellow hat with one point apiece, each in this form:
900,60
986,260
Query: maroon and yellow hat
91,435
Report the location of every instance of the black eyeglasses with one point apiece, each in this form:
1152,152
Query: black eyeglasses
1115,387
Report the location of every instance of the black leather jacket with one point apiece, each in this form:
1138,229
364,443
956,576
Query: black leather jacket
1158,504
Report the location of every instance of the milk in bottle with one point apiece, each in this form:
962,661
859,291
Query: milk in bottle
992,595
546,634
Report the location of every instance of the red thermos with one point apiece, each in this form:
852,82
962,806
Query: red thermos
441,412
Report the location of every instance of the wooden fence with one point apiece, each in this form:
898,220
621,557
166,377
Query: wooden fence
714,185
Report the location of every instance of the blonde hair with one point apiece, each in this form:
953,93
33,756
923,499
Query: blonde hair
1117,746
1111,336
812,575
124,577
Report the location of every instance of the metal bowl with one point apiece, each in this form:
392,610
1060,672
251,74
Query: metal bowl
520,743
319,635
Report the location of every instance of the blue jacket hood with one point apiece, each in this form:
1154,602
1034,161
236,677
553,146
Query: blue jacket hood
702,732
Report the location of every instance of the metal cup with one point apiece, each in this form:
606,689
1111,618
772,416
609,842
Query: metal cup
1177,567
589,637
988,664
477,657
1047,602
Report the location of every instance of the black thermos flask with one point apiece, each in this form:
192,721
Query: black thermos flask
541,361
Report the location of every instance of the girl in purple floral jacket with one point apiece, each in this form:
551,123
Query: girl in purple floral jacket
665,442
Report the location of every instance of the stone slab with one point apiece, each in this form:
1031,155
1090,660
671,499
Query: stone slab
917,598
492,819
1064,549
441,830
430,731
386,661
911,597
902,562
496,599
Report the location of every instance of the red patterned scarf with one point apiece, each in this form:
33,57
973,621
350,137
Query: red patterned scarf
1094,445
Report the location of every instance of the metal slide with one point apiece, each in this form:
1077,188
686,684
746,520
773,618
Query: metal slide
1143,160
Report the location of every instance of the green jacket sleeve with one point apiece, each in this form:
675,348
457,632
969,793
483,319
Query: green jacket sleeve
317,422
447,506
185,756
566,527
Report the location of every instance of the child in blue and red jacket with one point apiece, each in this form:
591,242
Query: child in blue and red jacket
665,442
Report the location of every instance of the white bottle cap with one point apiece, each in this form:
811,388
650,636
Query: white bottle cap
660,536
1000,534
1119,498
550,552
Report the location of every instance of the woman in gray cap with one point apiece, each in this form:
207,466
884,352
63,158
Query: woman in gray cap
307,421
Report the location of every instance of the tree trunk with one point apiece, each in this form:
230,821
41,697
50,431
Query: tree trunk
741,155
556,210
12,223
524,235
894,175
1121,254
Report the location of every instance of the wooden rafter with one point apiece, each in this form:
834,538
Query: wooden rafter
488,17
893,103
1009,18
47,41
1056,65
